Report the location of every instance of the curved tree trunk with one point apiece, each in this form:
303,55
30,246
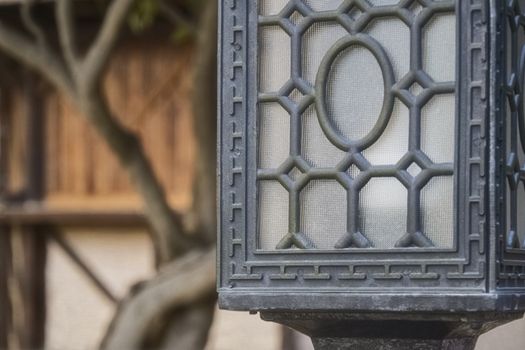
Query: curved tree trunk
172,309
168,323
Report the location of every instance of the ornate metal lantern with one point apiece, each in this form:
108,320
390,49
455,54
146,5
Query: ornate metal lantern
372,167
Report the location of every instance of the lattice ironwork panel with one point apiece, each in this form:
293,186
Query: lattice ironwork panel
282,164
356,124
512,241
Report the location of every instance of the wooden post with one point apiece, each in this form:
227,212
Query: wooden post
23,247
34,237
5,306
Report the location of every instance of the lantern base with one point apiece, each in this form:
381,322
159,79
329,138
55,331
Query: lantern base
393,344
392,331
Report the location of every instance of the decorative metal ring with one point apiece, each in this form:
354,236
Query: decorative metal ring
380,55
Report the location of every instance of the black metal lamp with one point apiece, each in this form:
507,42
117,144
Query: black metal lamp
372,168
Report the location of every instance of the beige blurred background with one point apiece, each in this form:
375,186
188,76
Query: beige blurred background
78,314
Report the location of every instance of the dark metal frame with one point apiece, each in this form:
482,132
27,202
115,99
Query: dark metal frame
511,267
409,279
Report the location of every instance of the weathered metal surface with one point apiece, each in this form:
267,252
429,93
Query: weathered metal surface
393,344
511,146
392,330
480,282
245,270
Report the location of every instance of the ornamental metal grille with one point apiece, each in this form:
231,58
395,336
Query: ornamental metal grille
254,220
515,127
356,124
511,268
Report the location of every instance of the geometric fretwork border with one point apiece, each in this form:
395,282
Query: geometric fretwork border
511,262
242,267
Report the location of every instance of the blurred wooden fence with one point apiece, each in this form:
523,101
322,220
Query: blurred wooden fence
54,170
149,88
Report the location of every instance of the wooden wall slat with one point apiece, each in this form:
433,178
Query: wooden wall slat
17,143
149,90
53,142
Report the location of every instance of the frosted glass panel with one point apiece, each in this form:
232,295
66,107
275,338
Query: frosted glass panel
316,42
508,210
521,155
292,143
521,214
323,5
271,7
439,45
393,143
274,135
353,171
274,58
273,214
323,212
437,211
394,37
316,149
508,135
509,69
383,211
438,128
521,197
355,92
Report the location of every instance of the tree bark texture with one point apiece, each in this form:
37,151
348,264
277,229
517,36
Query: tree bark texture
180,296
186,327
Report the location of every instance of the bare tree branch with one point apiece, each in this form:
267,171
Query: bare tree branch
175,293
155,97
55,234
169,238
30,24
183,282
188,328
99,52
66,33
43,60
176,17
167,227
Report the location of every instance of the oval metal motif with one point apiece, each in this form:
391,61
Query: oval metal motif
331,132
